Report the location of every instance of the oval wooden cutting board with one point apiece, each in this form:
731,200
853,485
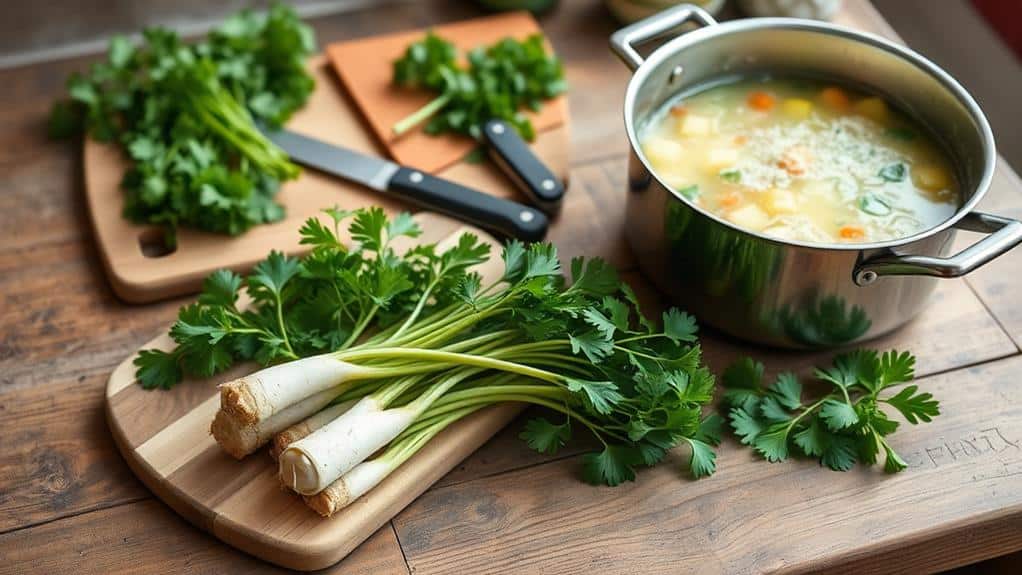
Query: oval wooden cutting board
164,436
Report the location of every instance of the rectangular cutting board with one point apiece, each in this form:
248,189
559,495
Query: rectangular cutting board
369,84
164,436
329,115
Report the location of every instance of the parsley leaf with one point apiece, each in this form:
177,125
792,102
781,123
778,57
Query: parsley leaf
220,289
271,275
157,369
612,466
679,326
703,461
838,415
915,407
593,344
545,437
601,396
893,172
745,425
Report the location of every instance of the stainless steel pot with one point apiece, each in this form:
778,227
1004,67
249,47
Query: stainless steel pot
793,294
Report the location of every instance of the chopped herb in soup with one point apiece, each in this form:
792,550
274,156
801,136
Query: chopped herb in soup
802,161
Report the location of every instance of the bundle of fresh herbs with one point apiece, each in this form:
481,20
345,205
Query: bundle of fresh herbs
394,346
840,427
185,115
499,81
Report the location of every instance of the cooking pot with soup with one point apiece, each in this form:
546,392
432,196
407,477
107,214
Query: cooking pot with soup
797,183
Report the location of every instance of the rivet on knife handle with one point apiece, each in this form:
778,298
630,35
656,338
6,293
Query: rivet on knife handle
497,214
515,158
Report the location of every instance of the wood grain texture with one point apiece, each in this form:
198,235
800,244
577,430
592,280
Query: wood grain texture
329,116
965,469
146,537
997,282
58,458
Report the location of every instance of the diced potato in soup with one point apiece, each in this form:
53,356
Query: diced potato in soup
802,161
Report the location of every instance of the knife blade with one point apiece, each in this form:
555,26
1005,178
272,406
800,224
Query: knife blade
529,174
415,186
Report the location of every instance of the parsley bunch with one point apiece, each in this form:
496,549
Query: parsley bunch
185,114
418,335
840,428
499,81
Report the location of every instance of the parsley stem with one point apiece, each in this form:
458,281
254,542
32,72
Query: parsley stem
360,327
280,324
415,312
421,115
805,412
844,392
449,358
638,353
453,329
527,394
640,337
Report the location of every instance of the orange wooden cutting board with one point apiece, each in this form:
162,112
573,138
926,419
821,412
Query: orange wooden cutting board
365,67
330,116
164,436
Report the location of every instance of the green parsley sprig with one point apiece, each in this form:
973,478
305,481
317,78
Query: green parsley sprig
841,428
185,113
499,81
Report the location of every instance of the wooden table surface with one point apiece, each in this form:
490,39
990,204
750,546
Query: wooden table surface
69,504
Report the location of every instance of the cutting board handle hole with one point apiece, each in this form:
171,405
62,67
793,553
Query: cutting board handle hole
153,244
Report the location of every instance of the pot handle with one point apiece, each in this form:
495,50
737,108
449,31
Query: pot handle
623,40
1004,234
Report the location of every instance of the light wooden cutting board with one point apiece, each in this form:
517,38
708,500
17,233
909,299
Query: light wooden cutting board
164,436
330,116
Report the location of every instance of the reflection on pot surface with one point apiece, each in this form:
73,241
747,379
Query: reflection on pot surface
725,262
823,322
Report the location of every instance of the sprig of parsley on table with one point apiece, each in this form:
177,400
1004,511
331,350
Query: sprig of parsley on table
841,428
499,81
185,114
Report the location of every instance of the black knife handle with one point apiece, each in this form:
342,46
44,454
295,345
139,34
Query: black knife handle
496,214
516,160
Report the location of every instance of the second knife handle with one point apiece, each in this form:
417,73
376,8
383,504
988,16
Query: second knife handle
496,214
517,160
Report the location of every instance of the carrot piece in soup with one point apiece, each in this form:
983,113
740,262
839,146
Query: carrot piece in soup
835,98
678,110
761,101
795,160
851,232
731,200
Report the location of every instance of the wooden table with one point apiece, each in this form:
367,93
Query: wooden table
69,504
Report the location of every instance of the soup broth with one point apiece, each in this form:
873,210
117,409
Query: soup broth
802,161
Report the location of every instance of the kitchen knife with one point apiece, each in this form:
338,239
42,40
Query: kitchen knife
496,214
516,160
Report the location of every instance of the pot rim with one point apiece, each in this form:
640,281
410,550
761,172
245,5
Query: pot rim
738,26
